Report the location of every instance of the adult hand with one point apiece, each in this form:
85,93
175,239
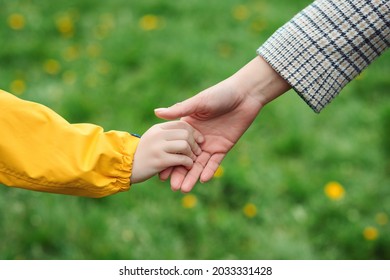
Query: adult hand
222,113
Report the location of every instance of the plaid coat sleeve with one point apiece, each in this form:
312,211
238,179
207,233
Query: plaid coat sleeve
327,45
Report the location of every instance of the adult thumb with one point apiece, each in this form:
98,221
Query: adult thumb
178,110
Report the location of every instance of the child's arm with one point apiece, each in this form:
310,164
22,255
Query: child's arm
41,151
165,145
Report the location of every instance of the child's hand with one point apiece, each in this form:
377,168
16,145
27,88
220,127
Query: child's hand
164,145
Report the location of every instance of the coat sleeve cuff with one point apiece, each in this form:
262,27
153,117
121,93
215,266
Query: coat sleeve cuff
327,45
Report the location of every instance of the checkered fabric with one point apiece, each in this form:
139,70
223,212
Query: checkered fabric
327,45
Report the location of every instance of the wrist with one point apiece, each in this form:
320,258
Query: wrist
258,80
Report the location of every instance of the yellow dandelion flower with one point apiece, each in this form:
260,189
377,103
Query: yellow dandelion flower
65,25
189,201
250,210
16,21
219,172
52,66
240,12
18,87
150,22
370,233
382,219
334,190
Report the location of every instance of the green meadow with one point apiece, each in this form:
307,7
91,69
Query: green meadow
298,185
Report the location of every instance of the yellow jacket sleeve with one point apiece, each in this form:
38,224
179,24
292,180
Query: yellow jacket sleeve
41,151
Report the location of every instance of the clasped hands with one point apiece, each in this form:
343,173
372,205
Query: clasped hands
220,121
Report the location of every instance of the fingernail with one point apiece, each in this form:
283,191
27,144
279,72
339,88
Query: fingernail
160,109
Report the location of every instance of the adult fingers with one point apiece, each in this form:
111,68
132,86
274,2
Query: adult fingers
164,175
177,177
211,166
194,173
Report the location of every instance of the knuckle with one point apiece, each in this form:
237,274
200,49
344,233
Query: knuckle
183,146
186,134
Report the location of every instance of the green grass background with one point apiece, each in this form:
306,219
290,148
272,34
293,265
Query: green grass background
106,69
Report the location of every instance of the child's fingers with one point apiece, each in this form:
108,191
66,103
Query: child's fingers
184,135
180,147
178,160
182,130
195,148
199,138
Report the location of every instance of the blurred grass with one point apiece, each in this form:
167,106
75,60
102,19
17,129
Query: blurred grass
111,63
